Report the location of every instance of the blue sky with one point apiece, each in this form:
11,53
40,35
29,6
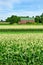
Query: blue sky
20,8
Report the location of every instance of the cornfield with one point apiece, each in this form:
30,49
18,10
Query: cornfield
21,49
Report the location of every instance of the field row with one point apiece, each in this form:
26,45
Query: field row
21,49
21,26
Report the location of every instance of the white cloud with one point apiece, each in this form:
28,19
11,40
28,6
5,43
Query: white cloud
7,4
6,9
20,13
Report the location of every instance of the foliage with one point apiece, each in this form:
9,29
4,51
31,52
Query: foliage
13,19
39,19
1,20
21,49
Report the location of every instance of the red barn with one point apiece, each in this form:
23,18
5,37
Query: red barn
25,20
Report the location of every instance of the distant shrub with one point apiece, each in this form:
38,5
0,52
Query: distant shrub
30,23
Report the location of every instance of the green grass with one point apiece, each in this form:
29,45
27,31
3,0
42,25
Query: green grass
30,23
4,23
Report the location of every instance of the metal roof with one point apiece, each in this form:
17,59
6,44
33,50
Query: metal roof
24,18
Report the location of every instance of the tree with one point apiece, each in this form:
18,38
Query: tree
37,19
13,19
27,16
1,20
8,19
18,19
32,16
41,18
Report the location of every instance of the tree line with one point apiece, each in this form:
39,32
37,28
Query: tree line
16,19
13,19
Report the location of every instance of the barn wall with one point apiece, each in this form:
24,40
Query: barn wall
25,21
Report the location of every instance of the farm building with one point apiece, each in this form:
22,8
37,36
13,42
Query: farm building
25,20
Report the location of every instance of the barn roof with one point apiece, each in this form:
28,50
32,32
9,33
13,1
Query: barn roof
25,18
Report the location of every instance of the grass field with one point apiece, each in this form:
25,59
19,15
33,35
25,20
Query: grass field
21,47
21,26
